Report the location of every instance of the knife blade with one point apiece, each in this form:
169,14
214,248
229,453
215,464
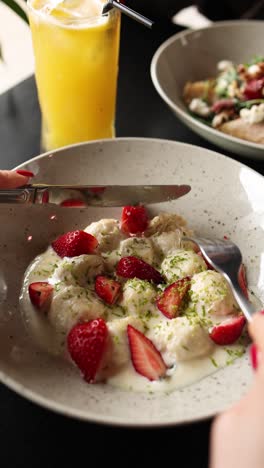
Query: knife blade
90,195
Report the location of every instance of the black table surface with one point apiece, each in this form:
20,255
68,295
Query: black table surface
30,435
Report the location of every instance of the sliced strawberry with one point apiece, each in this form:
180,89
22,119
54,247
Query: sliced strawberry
222,104
254,89
133,267
242,279
170,300
87,345
40,294
107,289
73,202
228,331
146,359
134,219
75,243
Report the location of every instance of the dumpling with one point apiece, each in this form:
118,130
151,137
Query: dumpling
118,352
166,242
107,233
78,270
73,304
167,222
137,247
210,294
181,263
139,298
180,340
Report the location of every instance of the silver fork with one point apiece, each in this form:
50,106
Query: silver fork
225,257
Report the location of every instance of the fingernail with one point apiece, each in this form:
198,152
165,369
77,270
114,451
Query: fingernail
25,173
254,356
262,312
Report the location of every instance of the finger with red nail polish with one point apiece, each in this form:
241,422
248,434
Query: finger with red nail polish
13,179
256,330
254,356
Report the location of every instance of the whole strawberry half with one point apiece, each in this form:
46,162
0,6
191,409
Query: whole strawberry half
228,331
170,300
242,280
145,357
107,289
86,345
134,219
133,267
75,243
254,89
40,294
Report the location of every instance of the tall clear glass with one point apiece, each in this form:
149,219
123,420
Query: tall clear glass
76,66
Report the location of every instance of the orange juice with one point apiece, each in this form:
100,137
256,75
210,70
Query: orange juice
76,63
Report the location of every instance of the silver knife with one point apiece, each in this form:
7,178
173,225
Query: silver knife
90,195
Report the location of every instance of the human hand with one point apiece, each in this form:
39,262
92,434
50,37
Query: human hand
237,436
13,179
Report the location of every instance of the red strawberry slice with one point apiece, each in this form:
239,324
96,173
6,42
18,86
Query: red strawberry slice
134,219
40,294
73,202
87,345
75,243
169,302
242,279
228,331
254,89
222,104
146,359
107,289
133,267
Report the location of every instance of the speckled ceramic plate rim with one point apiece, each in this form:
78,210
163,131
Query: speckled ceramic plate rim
74,413
184,114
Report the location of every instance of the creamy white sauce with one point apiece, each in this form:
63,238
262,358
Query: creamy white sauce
35,321
53,341
183,374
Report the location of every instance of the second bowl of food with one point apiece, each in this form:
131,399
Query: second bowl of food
213,80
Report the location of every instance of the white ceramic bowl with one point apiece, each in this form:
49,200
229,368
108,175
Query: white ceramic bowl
226,199
193,55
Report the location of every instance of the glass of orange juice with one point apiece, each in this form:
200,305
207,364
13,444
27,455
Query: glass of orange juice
76,51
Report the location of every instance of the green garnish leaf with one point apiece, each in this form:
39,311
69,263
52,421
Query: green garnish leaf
213,361
255,60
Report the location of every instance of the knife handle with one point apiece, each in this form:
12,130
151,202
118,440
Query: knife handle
22,195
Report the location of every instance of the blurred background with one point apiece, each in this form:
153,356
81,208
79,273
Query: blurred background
17,58
15,43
